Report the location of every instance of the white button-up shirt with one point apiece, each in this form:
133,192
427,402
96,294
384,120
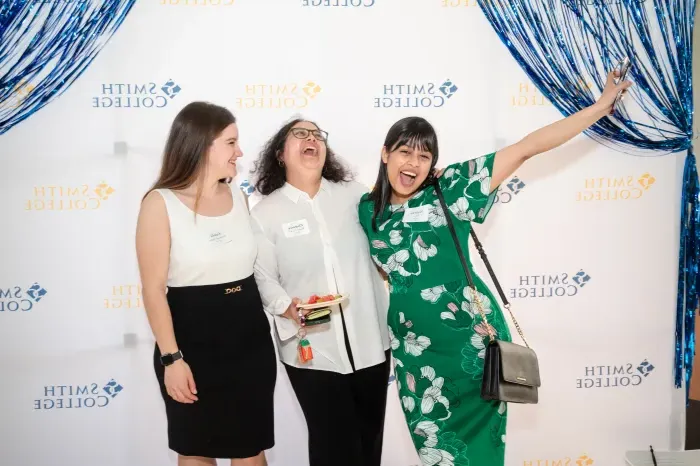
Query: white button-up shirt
316,246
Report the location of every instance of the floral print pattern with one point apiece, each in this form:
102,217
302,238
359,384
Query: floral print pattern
438,336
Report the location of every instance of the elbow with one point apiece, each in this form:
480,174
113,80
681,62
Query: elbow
152,293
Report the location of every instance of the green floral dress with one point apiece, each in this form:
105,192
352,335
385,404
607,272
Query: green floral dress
437,334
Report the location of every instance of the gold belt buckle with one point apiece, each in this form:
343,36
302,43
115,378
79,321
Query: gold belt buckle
235,289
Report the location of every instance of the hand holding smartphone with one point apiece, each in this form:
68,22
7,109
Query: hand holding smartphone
623,67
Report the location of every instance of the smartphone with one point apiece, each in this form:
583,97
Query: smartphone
624,67
318,316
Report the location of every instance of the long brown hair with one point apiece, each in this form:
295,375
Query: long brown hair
192,132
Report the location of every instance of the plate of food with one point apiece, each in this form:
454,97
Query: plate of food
317,302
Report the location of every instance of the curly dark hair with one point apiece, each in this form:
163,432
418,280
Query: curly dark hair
272,176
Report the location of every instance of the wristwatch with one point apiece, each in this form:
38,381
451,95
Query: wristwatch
168,359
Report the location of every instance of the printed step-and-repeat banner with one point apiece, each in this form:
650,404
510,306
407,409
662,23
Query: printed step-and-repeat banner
583,238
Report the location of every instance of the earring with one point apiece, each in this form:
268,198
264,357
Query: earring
279,161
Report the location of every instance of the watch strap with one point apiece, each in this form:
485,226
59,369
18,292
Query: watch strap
169,358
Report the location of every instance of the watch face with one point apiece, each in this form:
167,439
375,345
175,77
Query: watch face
166,359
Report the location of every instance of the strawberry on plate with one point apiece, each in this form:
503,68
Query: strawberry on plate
314,299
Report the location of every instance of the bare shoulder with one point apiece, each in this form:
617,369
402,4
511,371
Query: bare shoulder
153,215
153,202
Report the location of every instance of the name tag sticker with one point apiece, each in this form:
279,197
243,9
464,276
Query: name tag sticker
416,214
218,237
298,228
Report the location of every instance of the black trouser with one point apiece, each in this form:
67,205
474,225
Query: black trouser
344,413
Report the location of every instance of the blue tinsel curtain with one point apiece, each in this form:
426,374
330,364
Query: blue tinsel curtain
45,45
567,47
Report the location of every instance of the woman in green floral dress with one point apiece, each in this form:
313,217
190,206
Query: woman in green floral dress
437,334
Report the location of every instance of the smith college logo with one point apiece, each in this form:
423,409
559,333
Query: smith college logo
146,95
340,3
456,3
79,197
16,299
92,395
620,188
623,375
529,96
583,460
598,3
278,96
506,193
247,188
419,95
550,285
197,2
124,297
19,94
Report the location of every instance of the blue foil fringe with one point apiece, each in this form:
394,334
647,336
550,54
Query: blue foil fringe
45,45
567,47
688,276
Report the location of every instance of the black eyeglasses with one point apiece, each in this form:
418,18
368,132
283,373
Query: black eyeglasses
303,133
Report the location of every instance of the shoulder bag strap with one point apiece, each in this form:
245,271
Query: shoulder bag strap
482,253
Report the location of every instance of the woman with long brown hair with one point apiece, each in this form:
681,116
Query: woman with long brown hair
214,357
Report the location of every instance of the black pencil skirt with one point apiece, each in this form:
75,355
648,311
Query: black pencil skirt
225,338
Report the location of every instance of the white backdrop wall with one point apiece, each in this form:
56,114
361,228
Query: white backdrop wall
583,238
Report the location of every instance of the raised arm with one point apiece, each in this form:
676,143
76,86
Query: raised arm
509,159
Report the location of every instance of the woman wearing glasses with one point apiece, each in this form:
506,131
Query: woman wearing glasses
310,242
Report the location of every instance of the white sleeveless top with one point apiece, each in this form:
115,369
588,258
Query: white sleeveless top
211,250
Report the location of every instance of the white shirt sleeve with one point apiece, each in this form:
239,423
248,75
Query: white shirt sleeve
275,300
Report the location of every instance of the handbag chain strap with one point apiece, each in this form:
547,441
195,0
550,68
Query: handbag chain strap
482,253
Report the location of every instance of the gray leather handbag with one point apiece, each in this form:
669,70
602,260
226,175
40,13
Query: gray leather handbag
511,371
